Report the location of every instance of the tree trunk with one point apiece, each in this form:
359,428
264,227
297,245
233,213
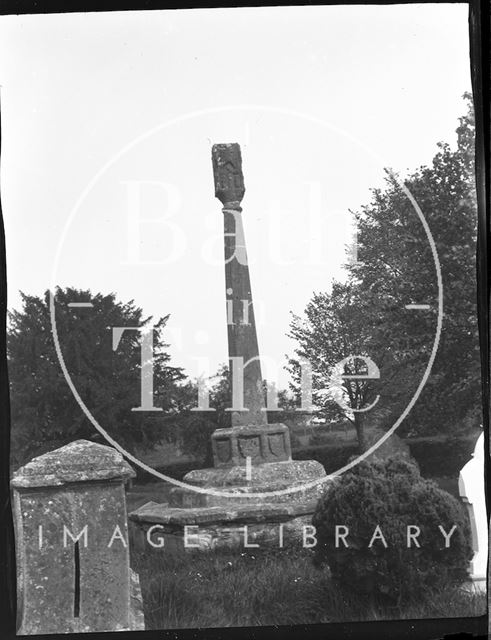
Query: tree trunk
360,432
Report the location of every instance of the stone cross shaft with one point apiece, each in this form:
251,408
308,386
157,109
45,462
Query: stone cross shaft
241,325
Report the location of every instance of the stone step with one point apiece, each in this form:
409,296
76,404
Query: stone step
208,528
155,513
243,495
275,479
292,472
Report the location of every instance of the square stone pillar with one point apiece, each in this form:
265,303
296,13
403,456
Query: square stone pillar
72,542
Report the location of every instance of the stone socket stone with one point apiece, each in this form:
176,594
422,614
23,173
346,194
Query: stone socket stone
261,443
79,461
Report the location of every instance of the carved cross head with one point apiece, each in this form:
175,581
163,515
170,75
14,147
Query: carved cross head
227,172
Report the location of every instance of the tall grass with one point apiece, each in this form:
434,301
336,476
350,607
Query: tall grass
255,587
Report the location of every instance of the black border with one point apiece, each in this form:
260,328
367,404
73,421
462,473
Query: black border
480,55
83,6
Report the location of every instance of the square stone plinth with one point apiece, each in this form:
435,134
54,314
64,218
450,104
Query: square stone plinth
73,572
259,443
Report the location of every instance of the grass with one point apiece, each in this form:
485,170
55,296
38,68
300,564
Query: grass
219,589
225,589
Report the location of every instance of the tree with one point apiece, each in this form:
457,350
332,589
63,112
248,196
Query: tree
395,267
44,412
334,339
194,428
367,314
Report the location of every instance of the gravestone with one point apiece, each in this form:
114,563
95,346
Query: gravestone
471,490
252,456
73,571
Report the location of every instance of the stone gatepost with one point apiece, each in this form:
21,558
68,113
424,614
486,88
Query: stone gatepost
73,571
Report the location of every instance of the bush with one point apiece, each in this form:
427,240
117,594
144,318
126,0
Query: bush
392,495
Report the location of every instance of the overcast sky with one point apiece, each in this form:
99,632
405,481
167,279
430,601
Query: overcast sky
320,99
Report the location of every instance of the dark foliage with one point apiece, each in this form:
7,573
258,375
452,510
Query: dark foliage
366,315
392,494
436,457
45,414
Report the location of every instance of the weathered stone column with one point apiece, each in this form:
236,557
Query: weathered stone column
72,542
241,324
250,439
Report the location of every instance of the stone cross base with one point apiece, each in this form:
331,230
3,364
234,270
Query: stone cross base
241,516
257,443
250,461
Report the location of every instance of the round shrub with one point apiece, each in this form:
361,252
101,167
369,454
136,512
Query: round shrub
392,495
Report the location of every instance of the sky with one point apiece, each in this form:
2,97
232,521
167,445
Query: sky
108,121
